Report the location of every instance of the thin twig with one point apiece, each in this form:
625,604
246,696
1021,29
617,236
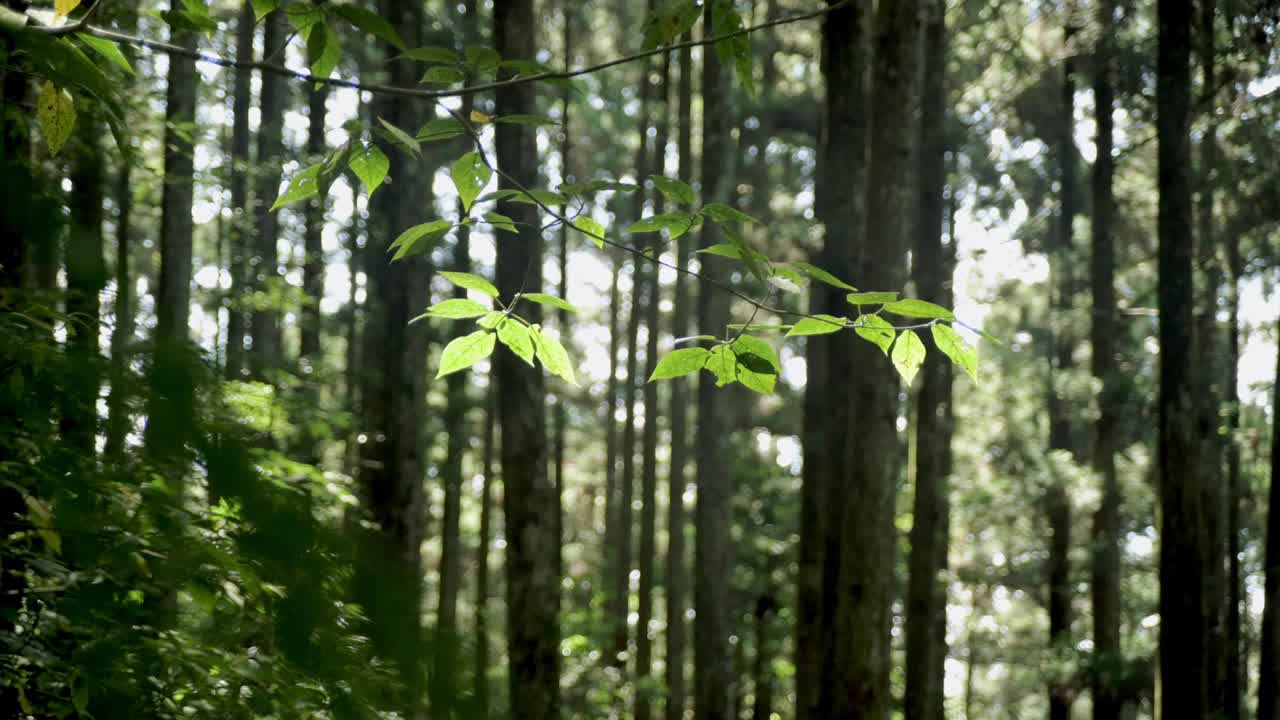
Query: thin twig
69,28
378,88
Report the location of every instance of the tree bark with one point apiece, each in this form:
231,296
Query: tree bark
267,350
677,560
840,199
1269,667
86,274
1183,565
865,584
238,184
1236,682
390,470
1105,568
313,262
927,590
529,501
481,679
713,553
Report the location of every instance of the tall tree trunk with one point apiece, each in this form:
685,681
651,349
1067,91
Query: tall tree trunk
242,100
481,671
267,350
118,419
865,586
677,560
86,274
529,501
713,552
1236,682
1209,370
1062,431
762,665
1269,668
312,274
649,439
1105,567
927,590
352,376
562,254
1183,566
840,200
391,466
615,596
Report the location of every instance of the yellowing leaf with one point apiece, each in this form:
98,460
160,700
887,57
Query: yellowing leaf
908,355
954,346
480,118
56,111
466,351
62,8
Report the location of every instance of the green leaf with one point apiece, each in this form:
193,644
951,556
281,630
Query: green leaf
470,175
471,282
443,75
543,299
678,363
675,190
370,165
491,319
466,351
553,356
818,325
457,309
370,22
875,329
757,364
669,21
723,363
441,129
434,54
723,250
592,229
530,120
304,185
676,223
400,137
871,298
750,258
721,213
539,197
913,308
501,222
262,8
725,19
56,111
908,355
107,49
419,238
821,275
324,50
748,345
515,335
951,344
484,60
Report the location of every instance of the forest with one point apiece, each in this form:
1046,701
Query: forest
640,359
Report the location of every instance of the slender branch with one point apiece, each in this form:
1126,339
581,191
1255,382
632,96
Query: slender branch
378,88
69,28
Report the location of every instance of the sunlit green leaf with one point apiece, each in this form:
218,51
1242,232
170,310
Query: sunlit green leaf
501,222
441,129
304,185
913,308
107,49
721,213
400,137
676,223
592,229
370,165
871,298
818,325
324,50
544,299
457,309
56,112
470,175
954,346
876,329
262,8
419,238
680,362
821,275
466,351
675,190
515,335
470,282
553,356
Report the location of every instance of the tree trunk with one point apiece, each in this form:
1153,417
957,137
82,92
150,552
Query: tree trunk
313,262
1269,668
391,466
616,596
677,560
562,316
267,350
713,552
866,579
1105,568
529,501
927,591
1183,565
242,100
762,666
840,200
481,678
118,419
1236,682
86,274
